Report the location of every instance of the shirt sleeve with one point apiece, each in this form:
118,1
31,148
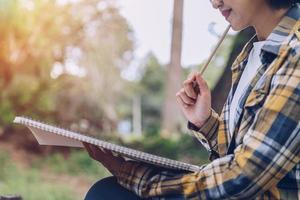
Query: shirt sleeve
269,150
207,134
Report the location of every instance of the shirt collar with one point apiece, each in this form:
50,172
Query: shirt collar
243,55
281,32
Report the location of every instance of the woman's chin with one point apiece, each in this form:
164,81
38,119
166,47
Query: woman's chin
235,28
238,27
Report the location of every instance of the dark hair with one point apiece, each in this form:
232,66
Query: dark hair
277,4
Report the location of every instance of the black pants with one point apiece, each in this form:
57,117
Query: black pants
109,189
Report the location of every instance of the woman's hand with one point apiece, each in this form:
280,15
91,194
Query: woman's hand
195,102
108,160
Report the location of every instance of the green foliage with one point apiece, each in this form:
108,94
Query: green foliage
83,164
190,150
77,163
4,158
152,94
6,112
157,146
29,184
39,35
185,148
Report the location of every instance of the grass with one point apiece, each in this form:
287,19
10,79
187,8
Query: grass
28,183
31,183
78,163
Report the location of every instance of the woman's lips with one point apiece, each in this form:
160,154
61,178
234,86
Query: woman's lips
226,13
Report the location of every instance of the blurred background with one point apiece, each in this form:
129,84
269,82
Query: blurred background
108,68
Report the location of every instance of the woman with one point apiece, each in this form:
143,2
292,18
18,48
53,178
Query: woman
255,142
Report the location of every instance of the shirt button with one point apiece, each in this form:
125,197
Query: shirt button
204,141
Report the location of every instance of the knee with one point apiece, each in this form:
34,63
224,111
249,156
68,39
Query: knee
100,188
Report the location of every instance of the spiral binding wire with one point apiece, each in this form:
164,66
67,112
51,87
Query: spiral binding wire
125,151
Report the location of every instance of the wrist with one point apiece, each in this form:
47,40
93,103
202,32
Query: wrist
200,124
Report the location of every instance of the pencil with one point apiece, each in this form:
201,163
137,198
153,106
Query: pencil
195,85
215,50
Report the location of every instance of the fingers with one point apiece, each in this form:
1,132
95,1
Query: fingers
195,84
87,147
189,89
93,151
97,153
107,159
179,100
188,86
203,87
184,99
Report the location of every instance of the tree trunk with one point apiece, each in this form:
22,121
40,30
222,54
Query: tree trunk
220,92
171,112
137,115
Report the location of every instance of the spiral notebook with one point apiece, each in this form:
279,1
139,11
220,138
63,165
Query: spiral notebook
47,134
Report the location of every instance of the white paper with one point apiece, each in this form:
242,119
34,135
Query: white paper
46,138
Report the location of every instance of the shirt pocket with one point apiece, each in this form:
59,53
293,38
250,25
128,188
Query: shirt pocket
255,98
253,103
257,95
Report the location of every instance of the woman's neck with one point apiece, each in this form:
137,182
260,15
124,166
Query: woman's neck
267,21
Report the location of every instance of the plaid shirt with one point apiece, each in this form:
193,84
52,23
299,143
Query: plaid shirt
261,159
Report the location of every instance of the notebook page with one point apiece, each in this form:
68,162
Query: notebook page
44,138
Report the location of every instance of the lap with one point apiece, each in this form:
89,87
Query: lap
107,189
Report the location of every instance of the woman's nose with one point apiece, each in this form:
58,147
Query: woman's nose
217,3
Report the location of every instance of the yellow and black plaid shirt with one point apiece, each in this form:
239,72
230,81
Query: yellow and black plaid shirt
261,159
